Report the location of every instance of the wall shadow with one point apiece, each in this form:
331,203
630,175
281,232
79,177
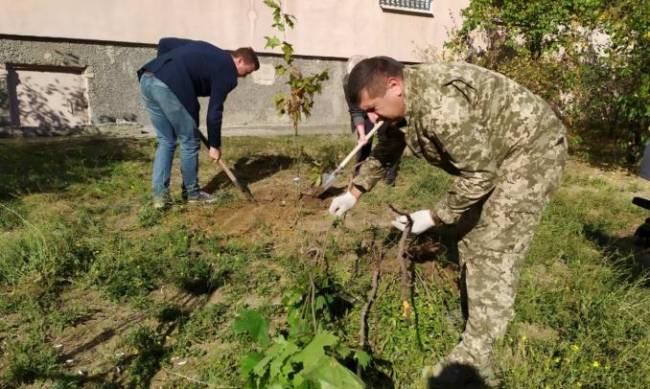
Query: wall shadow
40,166
4,105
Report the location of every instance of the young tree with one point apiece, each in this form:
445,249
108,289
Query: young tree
299,100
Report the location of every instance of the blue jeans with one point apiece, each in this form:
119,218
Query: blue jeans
171,121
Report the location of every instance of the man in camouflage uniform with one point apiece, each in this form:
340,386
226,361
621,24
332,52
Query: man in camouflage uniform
506,148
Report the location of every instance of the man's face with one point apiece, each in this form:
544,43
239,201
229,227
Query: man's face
243,68
391,106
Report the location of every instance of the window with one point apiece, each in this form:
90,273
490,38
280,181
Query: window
412,6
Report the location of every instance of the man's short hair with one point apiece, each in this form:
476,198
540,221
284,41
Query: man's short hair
248,55
370,74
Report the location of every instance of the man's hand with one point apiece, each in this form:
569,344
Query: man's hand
422,221
361,134
215,154
362,140
341,204
373,117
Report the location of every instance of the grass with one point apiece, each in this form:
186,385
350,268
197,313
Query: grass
92,279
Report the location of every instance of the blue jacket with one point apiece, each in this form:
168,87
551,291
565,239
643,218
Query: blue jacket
196,68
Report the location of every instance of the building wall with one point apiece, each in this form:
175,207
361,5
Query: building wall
113,95
105,42
325,28
109,70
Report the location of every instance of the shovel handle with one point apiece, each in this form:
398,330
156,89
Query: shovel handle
204,140
358,147
228,172
223,166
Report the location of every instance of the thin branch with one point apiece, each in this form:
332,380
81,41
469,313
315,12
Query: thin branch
405,265
363,331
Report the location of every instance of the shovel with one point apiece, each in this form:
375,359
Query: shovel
328,179
243,187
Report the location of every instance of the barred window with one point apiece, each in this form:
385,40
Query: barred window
413,6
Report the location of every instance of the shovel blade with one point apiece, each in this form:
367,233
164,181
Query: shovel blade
327,180
247,192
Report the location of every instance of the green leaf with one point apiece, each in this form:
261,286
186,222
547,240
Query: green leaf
292,297
330,374
272,42
249,362
289,20
287,49
343,351
289,348
311,354
271,4
252,323
362,358
280,70
269,355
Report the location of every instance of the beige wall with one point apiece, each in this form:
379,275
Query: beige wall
332,28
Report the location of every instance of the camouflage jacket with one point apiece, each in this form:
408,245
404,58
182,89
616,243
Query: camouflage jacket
466,120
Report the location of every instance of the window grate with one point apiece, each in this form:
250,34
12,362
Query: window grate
415,6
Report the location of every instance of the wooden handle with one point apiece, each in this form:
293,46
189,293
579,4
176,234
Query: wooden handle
358,147
228,172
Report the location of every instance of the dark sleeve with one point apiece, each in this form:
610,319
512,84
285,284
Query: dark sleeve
357,114
219,92
168,44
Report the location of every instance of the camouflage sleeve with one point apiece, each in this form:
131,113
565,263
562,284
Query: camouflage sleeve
467,141
389,148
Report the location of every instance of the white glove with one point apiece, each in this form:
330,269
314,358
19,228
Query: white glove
422,221
341,204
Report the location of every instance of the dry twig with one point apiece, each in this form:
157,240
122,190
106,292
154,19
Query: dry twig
405,265
372,294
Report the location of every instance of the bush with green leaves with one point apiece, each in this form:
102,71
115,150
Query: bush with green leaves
589,58
287,362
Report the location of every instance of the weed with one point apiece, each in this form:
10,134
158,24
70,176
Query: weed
69,315
196,275
28,359
288,362
200,327
148,348
149,216
75,224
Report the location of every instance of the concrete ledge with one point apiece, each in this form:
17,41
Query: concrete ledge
138,131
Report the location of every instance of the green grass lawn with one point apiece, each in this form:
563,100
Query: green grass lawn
99,290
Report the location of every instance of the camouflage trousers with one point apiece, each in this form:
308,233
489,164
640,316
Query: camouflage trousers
492,252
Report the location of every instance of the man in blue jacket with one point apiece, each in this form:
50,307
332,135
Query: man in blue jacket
170,86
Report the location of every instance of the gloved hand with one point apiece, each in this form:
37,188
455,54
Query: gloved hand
422,221
341,204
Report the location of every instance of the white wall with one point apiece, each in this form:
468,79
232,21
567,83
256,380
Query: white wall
331,28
